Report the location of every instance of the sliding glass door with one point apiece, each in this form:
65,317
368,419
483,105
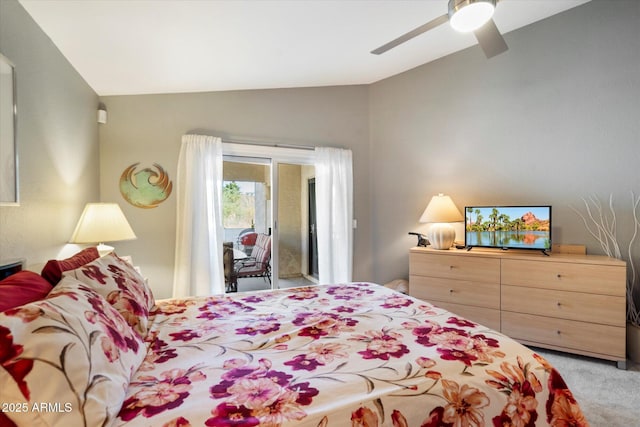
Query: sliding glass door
266,197
293,224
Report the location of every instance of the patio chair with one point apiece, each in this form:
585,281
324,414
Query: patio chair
230,279
246,239
258,263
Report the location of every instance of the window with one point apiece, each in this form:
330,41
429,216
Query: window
238,204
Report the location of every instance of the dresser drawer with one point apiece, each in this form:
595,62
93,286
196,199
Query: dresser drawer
484,316
566,334
579,277
602,309
472,268
481,294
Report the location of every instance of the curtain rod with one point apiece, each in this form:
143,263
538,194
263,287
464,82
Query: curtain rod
267,144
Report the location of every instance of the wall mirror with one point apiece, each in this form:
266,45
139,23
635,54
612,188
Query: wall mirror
8,148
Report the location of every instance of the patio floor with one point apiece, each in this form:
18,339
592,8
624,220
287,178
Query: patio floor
258,283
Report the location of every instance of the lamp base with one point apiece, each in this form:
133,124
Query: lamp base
441,235
104,249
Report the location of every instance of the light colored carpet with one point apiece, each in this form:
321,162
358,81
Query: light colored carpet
608,396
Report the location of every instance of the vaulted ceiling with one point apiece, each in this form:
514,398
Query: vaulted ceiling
167,46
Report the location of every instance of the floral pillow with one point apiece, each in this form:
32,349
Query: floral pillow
122,286
66,359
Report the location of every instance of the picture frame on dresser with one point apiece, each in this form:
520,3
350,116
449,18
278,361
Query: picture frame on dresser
8,140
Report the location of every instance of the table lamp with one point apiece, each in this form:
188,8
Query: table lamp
440,212
102,222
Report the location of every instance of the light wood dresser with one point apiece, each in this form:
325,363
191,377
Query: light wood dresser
569,302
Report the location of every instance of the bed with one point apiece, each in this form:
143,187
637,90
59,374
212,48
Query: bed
99,350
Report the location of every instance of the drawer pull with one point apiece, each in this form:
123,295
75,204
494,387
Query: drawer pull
450,291
559,276
559,304
451,267
558,332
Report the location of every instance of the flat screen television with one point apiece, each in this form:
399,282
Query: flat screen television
508,227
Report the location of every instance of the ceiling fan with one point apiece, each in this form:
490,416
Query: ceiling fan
464,16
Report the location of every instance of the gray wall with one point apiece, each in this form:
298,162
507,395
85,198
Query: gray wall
57,144
554,119
148,129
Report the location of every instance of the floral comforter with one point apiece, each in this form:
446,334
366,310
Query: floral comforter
334,355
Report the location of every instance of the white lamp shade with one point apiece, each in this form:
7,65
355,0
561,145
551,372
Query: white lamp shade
102,222
441,209
469,15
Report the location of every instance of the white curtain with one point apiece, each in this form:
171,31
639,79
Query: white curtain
199,232
334,206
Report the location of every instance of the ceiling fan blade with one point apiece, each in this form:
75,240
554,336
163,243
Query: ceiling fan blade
411,34
490,39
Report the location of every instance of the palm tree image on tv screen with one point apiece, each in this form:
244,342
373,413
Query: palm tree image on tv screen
518,227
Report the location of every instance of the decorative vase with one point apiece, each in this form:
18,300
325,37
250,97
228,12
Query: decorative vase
633,342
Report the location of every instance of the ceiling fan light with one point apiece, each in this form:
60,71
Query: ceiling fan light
469,15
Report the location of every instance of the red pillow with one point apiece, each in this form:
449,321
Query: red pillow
52,271
22,288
